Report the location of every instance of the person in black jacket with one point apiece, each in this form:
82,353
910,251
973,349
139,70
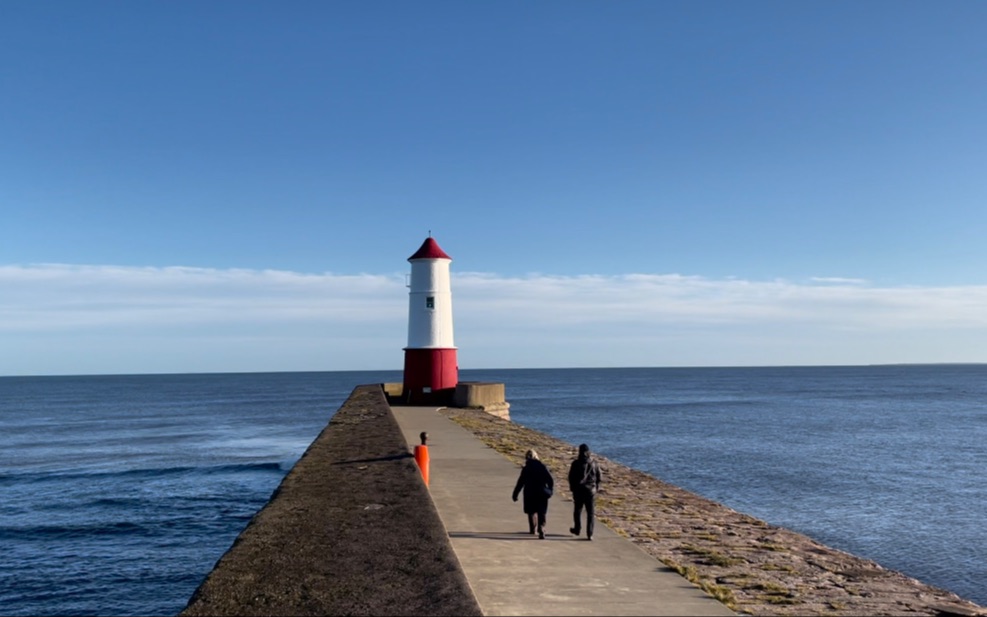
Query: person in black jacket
584,482
538,486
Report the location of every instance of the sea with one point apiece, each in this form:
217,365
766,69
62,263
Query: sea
118,494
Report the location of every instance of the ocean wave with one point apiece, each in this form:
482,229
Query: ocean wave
10,479
49,532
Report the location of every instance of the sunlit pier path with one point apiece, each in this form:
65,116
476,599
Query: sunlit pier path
514,573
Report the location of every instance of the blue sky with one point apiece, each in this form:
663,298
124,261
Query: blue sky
236,186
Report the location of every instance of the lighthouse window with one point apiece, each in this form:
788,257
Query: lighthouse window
430,302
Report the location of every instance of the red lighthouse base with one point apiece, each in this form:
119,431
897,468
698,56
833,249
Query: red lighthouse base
430,376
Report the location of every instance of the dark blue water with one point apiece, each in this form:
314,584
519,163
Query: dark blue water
120,493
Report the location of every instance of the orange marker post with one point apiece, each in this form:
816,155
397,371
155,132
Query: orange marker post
421,456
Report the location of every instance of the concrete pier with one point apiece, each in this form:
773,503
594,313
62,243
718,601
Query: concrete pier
353,530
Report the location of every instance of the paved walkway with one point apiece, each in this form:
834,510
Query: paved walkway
514,573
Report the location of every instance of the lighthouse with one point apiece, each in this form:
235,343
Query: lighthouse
431,370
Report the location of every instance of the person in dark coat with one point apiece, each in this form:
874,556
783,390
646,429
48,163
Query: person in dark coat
584,482
538,486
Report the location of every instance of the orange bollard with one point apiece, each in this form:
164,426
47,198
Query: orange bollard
421,456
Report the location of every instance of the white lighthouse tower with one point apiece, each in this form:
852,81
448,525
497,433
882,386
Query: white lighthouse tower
431,370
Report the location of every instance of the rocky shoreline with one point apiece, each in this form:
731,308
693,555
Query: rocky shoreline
751,566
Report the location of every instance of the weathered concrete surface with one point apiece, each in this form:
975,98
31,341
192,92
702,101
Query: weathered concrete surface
514,573
351,530
751,566
485,396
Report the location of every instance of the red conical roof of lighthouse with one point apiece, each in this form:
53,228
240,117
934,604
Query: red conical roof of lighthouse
430,250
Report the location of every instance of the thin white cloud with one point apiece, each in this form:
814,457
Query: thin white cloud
56,296
836,280
676,299
235,319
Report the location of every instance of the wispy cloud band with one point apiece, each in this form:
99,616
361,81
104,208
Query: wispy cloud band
55,296
666,299
633,319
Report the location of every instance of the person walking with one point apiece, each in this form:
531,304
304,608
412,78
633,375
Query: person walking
584,482
538,487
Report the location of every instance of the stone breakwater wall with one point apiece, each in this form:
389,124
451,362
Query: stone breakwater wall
351,530
752,567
